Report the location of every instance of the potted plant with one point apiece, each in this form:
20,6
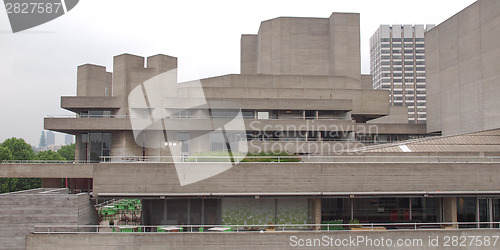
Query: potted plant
355,224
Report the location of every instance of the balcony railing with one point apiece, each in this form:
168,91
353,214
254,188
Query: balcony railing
62,229
199,117
277,159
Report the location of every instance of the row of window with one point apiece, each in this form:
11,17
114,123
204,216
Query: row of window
399,39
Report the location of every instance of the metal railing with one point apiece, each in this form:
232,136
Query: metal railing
414,226
354,157
287,159
200,117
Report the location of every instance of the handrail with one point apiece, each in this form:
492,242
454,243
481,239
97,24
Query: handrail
414,226
277,159
199,117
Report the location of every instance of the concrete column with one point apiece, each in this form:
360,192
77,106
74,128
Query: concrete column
316,212
450,210
78,141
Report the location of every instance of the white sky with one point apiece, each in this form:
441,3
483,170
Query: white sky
38,66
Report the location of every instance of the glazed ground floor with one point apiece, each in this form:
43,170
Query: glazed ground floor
474,211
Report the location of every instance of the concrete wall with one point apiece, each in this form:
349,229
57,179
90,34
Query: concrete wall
304,46
91,80
250,240
76,102
463,70
397,114
116,178
46,170
20,211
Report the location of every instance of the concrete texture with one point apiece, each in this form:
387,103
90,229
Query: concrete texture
304,46
463,70
251,240
46,170
397,115
20,211
250,178
76,103
91,80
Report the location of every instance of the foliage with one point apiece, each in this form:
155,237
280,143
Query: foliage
19,149
269,157
260,157
49,156
68,152
5,154
355,223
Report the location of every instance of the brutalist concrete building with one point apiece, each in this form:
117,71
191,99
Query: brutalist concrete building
346,156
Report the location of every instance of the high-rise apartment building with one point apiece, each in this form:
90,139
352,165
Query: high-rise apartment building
69,139
397,64
51,138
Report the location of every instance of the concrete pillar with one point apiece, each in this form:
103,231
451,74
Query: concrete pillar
78,142
450,210
316,212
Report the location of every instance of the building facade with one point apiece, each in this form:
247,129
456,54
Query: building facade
425,183
463,71
397,64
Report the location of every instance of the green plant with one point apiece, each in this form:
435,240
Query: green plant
355,223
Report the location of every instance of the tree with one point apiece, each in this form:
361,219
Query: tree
43,141
68,152
19,149
49,156
5,154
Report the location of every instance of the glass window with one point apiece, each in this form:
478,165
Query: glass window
95,145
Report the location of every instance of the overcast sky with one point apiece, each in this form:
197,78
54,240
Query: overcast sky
38,66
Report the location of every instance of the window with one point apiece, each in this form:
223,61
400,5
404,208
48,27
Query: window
95,114
95,145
